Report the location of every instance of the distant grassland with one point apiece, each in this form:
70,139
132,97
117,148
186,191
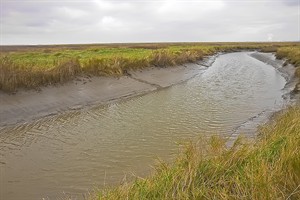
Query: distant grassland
34,66
267,169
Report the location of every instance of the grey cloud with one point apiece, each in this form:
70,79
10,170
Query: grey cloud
291,2
39,22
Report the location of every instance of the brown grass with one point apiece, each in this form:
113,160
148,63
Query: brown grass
59,64
13,76
268,169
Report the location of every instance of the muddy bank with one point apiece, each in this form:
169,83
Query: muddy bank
29,105
72,153
286,70
84,91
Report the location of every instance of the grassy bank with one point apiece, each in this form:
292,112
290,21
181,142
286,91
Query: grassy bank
267,169
35,66
292,54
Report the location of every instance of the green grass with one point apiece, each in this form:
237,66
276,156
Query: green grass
33,67
267,169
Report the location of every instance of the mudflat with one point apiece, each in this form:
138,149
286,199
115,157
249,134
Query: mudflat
27,105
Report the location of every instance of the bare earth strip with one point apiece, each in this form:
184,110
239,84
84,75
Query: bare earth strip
29,105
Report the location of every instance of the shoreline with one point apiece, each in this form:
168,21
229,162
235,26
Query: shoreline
28,105
85,91
136,76
249,128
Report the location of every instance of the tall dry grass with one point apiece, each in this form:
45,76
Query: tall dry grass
115,66
13,76
268,169
292,54
21,70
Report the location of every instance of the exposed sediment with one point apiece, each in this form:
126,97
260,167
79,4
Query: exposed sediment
28,105
84,91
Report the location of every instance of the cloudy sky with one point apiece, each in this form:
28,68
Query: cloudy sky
103,21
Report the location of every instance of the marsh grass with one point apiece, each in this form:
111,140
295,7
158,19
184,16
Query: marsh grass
26,72
267,169
292,54
13,76
48,65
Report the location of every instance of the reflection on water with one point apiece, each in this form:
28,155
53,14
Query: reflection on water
74,152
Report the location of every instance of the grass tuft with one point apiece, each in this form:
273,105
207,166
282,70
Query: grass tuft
292,54
14,76
268,169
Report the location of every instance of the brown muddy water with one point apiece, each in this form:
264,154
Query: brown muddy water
73,153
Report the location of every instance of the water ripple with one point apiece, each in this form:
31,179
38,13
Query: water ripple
80,149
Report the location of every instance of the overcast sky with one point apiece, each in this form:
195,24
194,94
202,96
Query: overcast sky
103,21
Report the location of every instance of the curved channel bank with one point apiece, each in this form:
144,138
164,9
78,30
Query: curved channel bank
73,152
26,106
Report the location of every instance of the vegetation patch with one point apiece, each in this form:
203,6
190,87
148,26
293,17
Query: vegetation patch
292,54
35,66
267,169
